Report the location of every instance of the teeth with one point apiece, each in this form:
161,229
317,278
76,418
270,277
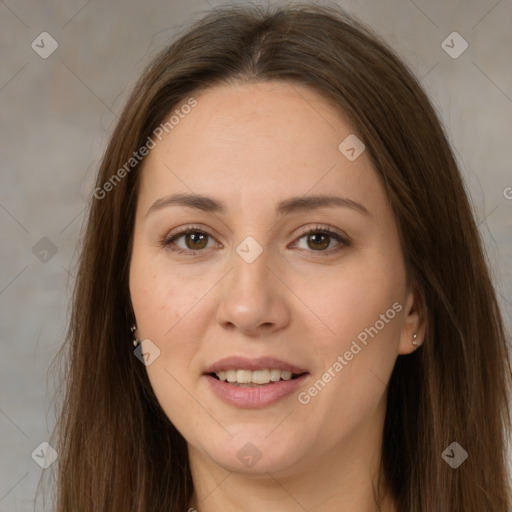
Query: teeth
254,377
275,375
259,377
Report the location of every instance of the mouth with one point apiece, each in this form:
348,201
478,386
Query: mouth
251,383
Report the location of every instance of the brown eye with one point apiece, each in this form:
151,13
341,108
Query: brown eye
319,239
194,241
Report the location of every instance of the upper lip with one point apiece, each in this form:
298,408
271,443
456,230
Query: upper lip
243,363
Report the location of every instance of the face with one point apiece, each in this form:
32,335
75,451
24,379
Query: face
249,281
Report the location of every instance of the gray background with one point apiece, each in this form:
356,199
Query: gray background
56,114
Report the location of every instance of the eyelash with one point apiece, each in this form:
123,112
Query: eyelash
167,241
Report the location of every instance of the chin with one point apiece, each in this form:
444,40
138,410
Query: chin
257,454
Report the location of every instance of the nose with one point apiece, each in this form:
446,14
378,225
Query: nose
253,299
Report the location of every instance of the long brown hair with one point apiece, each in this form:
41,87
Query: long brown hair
117,449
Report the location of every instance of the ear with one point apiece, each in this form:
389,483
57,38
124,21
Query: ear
415,322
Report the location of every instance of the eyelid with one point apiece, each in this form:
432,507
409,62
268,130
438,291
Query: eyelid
183,230
304,230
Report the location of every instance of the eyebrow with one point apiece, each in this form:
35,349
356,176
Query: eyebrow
286,207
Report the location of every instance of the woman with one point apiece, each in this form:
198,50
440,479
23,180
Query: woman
281,225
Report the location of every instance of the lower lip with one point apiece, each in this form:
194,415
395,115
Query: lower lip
254,397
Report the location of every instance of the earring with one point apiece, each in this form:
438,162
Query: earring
136,342
415,341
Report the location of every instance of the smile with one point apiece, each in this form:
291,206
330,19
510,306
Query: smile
254,378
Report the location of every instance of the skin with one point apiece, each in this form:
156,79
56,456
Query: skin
251,146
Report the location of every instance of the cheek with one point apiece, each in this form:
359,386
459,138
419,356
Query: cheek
354,364
160,300
362,317
355,301
169,310
165,314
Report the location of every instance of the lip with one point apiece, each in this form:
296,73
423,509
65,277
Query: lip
255,397
253,364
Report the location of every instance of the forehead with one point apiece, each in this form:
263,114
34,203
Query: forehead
260,140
